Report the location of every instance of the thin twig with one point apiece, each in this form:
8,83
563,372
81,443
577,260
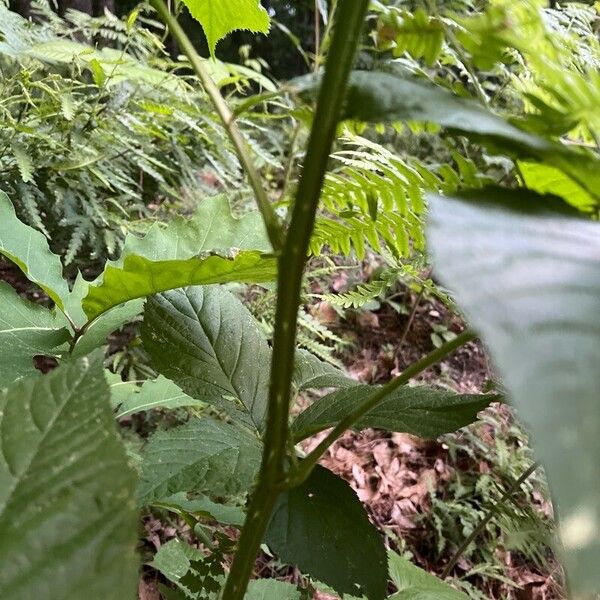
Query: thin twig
270,218
307,465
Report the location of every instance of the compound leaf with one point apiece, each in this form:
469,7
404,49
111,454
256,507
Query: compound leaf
323,529
526,270
67,510
203,456
217,354
419,410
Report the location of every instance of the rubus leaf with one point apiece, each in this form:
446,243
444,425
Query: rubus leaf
67,510
322,528
414,583
386,97
28,249
154,393
419,410
217,353
220,17
211,247
526,270
26,330
203,456
311,372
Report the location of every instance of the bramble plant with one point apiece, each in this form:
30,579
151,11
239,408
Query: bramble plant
524,265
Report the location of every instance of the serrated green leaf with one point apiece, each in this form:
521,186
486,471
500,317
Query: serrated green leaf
217,353
202,456
322,528
26,330
418,410
67,516
414,583
220,17
28,249
211,247
311,372
174,559
526,270
203,506
153,394
24,162
140,277
270,589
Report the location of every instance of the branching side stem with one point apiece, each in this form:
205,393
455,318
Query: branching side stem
291,270
308,464
272,223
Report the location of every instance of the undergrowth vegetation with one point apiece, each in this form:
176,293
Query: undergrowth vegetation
193,234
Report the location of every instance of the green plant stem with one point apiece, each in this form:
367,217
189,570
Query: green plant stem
271,220
488,517
308,464
291,270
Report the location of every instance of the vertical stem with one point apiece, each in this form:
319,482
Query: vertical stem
291,270
272,224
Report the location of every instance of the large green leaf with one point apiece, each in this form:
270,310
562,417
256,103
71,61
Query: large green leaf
26,330
208,343
140,277
385,97
416,584
67,510
323,529
211,247
202,456
220,17
419,410
28,249
528,277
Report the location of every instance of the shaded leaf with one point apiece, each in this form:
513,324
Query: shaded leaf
217,353
26,330
67,516
311,372
414,583
526,270
220,17
203,506
385,97
270,589
418,410
202,456
322,528
28,249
